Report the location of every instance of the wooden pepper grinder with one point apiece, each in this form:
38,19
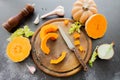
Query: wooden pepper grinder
15,20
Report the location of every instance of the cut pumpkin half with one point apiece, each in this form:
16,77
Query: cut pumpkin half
96,26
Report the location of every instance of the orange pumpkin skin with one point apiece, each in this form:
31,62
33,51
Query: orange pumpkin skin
61,58
83,9
46,29
96,26
44,46
18,49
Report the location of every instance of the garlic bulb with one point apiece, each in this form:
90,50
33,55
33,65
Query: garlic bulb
57,11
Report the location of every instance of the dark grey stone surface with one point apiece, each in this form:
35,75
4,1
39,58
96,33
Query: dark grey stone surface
102,69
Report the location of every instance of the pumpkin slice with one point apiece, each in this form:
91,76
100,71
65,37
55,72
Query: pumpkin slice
18,49
96,26
46,29
44,46
66,22
76,35
61,58
77,42
81,48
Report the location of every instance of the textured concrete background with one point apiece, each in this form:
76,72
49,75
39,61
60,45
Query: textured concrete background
102,69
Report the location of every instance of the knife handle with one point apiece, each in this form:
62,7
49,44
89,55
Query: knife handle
77,53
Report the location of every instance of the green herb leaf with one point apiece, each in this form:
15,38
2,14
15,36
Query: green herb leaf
17,33
75,27
21,32
93,58
27,31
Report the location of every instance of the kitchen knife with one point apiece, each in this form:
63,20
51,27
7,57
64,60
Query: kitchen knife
72,48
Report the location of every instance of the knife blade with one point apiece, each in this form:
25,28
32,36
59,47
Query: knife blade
72,48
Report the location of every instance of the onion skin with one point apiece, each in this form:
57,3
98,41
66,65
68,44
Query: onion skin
105,51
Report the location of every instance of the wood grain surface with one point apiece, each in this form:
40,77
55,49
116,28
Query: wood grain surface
70,64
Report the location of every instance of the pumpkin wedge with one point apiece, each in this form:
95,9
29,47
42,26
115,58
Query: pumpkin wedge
96,26
56,61
18,49
46,29
44,46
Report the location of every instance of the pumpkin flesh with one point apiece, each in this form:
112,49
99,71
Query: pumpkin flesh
44,46
46,29
96,26
18,49
61,58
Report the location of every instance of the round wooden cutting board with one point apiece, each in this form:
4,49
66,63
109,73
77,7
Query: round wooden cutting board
70,64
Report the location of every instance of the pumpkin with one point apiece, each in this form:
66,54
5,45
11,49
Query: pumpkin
46,29
81,48
18,49
76,35
96,26
83,9
77,42
61,58
66,22
44,46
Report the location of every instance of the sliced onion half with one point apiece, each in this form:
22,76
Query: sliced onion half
105,51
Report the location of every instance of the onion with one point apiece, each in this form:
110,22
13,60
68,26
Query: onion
105,51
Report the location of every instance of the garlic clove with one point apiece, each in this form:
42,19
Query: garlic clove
32,69
37,20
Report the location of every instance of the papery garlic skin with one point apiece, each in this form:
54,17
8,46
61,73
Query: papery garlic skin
32,69
57,11
37,20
